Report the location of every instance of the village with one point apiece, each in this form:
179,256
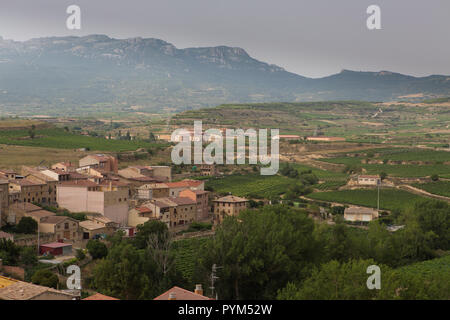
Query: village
110,199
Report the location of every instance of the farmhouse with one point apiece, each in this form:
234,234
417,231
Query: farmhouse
360,214
61,226
369,180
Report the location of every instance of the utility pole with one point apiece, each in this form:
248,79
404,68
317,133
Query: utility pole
213,279
378,200
39,220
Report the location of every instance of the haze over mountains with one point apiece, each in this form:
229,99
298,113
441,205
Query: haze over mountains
75,73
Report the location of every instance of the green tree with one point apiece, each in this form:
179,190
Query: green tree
27,225
28,256
96,249
260,251
80,255
46,278
334,281
144,231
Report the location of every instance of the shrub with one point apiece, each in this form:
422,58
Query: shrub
45,278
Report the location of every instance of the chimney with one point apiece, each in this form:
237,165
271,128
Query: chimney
172,296
198,289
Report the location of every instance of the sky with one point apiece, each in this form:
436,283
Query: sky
313,38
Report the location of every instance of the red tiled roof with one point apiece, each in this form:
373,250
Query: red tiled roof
181,294
99,296
54,245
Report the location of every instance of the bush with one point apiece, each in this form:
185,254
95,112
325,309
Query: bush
80,254
45,278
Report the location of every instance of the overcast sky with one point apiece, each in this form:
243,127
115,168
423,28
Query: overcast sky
313,38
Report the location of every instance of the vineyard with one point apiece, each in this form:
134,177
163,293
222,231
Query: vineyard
330,185
441,188
429,267
389,198
253,185
61,139
185,253
324,175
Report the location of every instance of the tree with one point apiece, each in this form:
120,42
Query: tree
334,281
80,255
46,278
27,225
28,256
383,175
260,251
144,231
9,252
435,177
122,274
96,249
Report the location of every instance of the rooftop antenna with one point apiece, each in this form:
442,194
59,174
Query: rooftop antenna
213,279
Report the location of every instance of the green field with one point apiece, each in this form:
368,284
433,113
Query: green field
324,175
429,267
185,254
253,185
61,139
389,198
441,188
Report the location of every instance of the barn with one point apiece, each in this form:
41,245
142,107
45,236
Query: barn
56,248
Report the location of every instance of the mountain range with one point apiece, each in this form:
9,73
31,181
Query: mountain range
96,72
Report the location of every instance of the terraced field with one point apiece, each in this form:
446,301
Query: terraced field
390,199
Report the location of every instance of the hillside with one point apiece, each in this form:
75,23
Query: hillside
96,73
